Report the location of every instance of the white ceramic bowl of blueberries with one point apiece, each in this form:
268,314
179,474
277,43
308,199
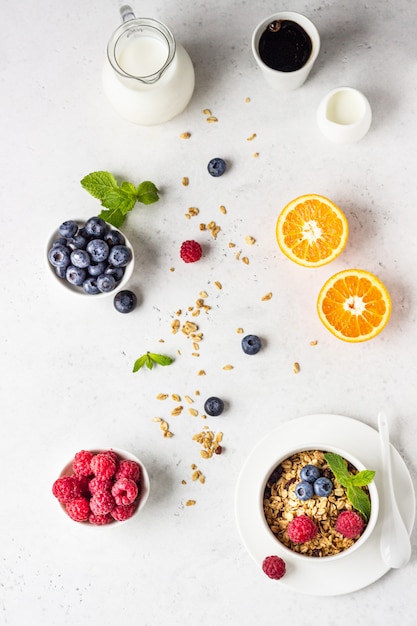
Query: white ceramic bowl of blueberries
90,258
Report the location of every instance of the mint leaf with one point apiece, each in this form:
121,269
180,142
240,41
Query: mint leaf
147,193
114,217
160,359
359,500
150,359
139,363
118,199
98,183
362,478
339,468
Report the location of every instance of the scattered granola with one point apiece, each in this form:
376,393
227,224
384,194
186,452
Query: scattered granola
185,181
186,135
209,442
296,368
251,137
267,296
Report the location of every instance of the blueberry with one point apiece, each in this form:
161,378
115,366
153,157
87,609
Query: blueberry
323,486
78,241
61,241
95,269
75,275
59,255
125,301
95,227
80,258
106,283
216,167
68,228
304,490
60,271
214,406
309,473
114,238
98,249
251,344
90,286
120,256
117,272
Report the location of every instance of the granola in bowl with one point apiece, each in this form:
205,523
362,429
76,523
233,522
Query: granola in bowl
305,521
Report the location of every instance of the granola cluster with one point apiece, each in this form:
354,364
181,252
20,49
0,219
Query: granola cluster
281,505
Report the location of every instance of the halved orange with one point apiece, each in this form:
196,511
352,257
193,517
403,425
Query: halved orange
354,305
311,230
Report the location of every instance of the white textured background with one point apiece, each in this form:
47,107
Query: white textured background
66,380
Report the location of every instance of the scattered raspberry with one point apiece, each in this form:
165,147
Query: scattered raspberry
66,489
100,520
124,491
349,524
82,463
274,567
302,529
78,509
128,469
121,513
102,503
103,465
190,251
99,484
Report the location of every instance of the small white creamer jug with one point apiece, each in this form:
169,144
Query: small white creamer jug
148,77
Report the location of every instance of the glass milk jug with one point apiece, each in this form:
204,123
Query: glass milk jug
148,76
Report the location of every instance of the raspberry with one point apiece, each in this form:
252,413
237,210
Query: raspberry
66,489
78,509
121,513
274,567
102,503
82,463
124,491
349,524
128,469
103,465
114,455
302,529
99,484
190,251
100,520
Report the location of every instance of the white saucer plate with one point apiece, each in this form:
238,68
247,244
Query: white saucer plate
315,576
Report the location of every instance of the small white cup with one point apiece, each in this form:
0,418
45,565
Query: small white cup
344,115
286,81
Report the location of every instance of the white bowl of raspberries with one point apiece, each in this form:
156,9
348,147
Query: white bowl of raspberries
319,502
102,486
90,257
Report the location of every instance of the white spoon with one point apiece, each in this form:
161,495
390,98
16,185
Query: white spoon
395,542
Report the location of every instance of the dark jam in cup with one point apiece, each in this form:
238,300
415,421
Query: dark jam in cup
285,46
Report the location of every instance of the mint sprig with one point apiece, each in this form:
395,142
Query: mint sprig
116,199
358,498
150,359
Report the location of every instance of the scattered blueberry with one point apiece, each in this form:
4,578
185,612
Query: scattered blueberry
106,283
120,256
90,286
68,228
75,275
323,486
304,490
80,258
216,167
95,227
125,301
251,344
59,255
98,250
309,473
214,406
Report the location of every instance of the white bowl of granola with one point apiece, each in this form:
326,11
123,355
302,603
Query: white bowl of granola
319,502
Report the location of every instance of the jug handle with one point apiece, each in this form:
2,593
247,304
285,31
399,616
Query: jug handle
127,13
